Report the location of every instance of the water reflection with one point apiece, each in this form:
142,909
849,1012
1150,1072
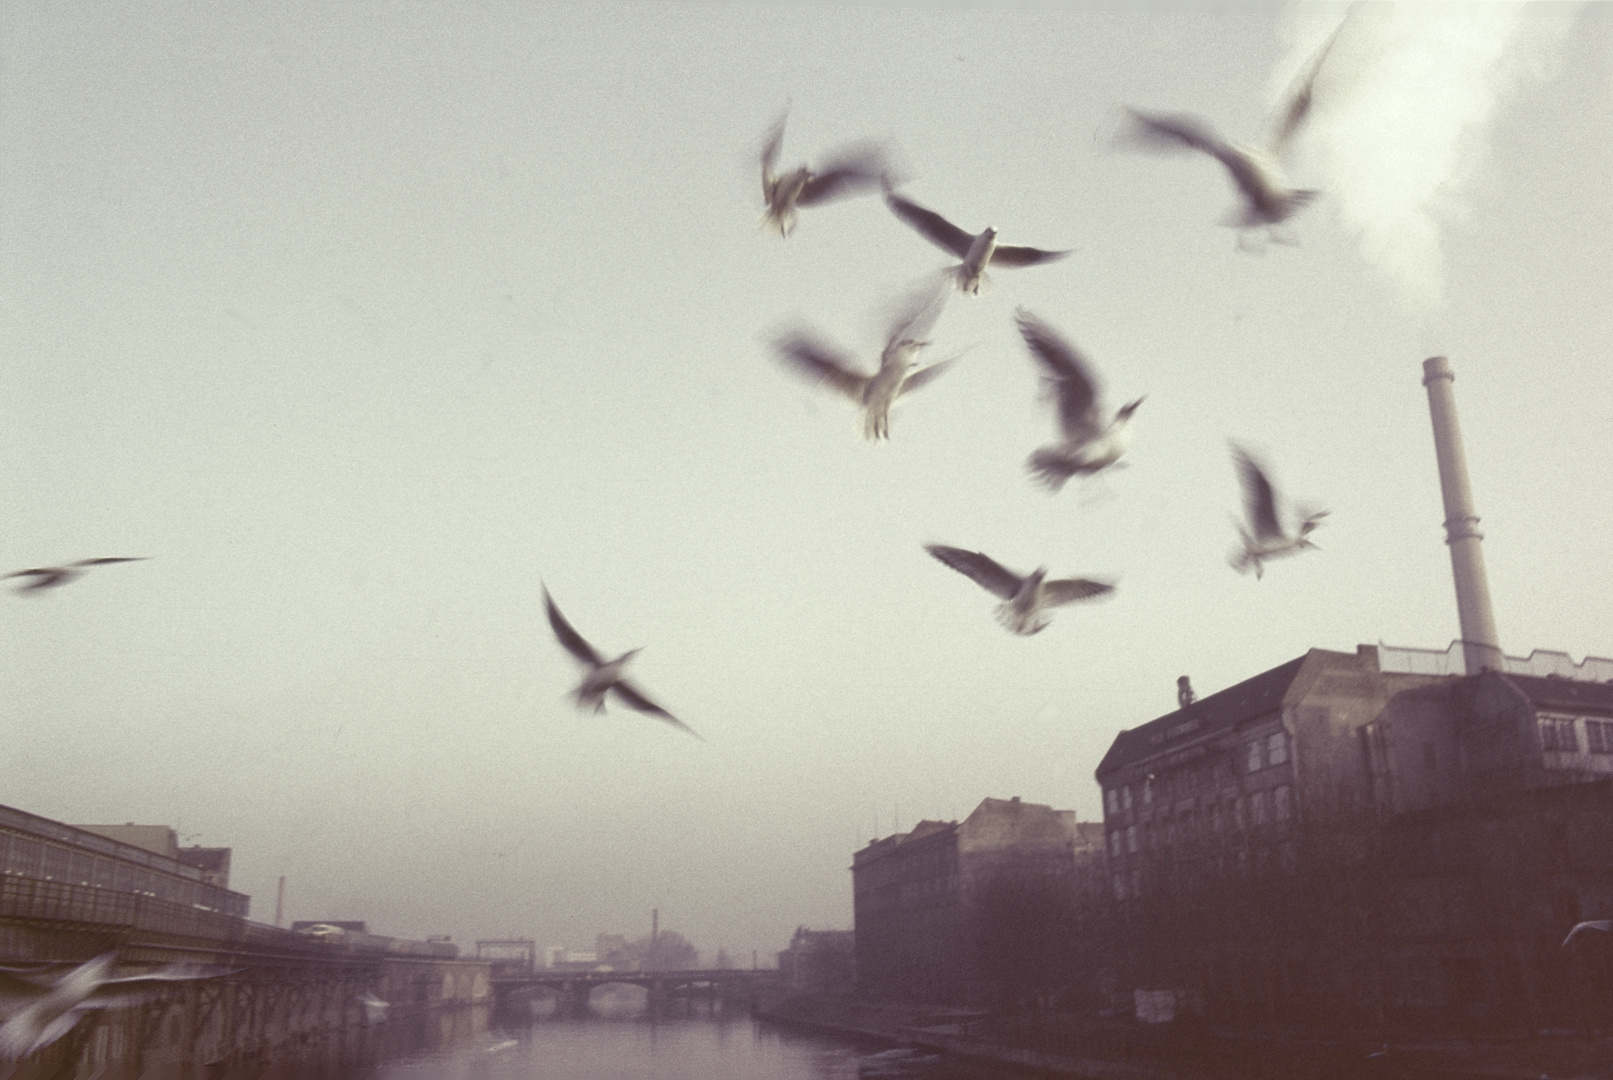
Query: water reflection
619,1039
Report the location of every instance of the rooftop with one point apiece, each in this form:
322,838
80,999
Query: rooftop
1218,712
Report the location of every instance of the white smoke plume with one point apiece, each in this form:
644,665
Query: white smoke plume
1401,115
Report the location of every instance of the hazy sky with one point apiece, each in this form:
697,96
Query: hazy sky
364,321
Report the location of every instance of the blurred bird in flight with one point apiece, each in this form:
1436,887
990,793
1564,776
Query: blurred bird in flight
1269,197
42,1010
1265,537
51,577
1093,441
976,250
857,169
1025,599
897,374
604,676
1604,925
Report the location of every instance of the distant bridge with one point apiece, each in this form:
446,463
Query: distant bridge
574,987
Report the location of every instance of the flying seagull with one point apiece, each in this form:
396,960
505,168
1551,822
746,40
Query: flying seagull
1025,599
375,1009
1092,440
50,577
1264,538
897,374
604,675
46,1010
1604,925
976,250
855,169
1269,198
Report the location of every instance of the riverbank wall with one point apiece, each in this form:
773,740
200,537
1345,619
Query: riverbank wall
1113,1049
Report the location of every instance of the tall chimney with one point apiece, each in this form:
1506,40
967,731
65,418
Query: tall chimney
1481,646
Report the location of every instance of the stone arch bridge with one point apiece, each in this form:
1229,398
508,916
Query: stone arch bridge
732,986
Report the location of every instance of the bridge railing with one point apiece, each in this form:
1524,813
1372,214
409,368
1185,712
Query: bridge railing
61,901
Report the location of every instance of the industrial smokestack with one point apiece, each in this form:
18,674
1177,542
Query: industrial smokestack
1481,646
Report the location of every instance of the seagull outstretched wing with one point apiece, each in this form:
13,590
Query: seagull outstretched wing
852,171
823,363
980,568
1069,375
935,228
572,641
1069,590
1604,925
1260,502
635,700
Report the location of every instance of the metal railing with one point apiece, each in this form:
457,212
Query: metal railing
61,901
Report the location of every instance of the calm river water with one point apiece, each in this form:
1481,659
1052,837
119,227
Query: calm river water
631,1046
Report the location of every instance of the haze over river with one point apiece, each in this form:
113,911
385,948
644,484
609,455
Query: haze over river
696,1048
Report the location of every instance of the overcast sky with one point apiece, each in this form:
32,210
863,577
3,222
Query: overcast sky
365,321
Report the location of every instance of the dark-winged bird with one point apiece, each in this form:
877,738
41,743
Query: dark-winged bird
50,577
604,676
977,250
42,1010
1093,440
856,169
1269,198
1265,538
897,374
1025,599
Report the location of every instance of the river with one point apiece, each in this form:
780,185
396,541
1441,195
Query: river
626,1044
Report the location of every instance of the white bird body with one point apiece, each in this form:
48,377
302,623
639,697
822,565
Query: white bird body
1092,441
972,271
977,250
375,1008
898,372
1265,539
1025,599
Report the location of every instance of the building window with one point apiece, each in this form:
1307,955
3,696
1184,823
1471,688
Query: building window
1131,839
1136,882
1557,733
1282,804
1277,748
1599,736
1237,813
1257,808
1148,791
1125,797
1252,763
1111,801
1120,886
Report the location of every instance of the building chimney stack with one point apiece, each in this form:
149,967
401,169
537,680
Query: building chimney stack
1481,646
1184,692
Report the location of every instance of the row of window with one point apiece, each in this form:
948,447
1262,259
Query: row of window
1257,754
1128,885
1233,812
1561,733
24,856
